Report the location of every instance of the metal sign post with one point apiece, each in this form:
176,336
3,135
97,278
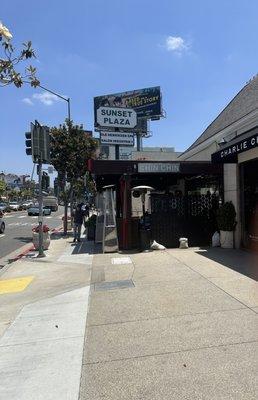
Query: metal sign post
40,219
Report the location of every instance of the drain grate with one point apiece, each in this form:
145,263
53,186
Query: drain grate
114,285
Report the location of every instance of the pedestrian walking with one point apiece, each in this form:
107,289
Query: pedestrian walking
78,220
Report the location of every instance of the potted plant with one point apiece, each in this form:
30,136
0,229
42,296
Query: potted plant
46,237
226,219
90,224
69,222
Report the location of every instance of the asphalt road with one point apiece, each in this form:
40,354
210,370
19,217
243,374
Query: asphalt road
18,226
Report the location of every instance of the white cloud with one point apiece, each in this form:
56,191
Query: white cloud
46,98
28,101
176,44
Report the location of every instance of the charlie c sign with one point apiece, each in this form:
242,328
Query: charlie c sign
229,154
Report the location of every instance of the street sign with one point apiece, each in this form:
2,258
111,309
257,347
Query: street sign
115,117
120,138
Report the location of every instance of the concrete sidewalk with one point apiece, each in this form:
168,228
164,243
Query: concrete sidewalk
43,311
175,324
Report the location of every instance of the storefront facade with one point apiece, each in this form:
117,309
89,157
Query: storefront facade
232,141
182,204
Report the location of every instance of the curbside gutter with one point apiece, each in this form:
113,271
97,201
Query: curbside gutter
16,255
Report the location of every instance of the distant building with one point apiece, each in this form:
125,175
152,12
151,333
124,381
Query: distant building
13,181
148,153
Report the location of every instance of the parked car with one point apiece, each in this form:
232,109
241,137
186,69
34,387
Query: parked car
26,204
2,224
14,206
34,210
3,207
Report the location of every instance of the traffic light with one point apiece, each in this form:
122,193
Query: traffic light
38,143
28,143
45,181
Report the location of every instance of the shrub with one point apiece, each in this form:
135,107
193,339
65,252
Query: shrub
91,221
226,217
45,229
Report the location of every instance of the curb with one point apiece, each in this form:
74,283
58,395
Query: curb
30,247
14,256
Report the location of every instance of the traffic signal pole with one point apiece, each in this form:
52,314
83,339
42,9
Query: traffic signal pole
40,219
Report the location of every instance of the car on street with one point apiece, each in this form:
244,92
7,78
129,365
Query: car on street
34,210
2,224
14,206
26,204
3,207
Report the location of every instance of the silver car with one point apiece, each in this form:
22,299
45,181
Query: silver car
14,205
34,210
2,224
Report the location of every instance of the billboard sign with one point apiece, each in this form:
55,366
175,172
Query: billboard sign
114,117
146,102
120,138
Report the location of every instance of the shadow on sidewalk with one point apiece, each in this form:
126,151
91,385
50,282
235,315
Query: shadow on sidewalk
24,239
86,246
244,262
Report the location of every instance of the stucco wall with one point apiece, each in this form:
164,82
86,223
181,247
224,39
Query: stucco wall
231,193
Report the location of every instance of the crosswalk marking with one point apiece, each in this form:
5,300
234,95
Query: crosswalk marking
22,216
22,224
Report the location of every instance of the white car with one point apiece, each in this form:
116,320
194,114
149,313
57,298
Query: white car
14,205
2,224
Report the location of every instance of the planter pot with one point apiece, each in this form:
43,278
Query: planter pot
91,232
145,239
46,240
227,239
69,224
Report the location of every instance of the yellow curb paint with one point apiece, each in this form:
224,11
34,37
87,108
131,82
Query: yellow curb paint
15,285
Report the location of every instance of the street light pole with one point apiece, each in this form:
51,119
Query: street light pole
67,99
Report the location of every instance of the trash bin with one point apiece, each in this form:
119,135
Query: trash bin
145,239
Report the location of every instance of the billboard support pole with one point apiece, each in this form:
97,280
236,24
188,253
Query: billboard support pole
117,151
138,142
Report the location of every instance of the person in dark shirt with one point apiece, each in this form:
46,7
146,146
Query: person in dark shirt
78,219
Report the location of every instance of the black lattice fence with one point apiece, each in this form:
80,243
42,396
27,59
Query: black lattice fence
183,216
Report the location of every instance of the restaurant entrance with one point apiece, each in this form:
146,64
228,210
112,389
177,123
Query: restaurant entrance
249,204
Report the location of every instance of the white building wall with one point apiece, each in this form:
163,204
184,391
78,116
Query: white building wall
232,193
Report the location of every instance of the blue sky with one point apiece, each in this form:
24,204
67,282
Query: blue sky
200,52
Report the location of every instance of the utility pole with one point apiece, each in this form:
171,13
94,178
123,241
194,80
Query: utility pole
40,219
37,146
